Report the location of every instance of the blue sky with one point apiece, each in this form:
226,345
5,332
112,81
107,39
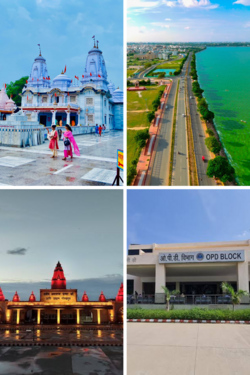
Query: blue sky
179,216
188,20
83,229
64,29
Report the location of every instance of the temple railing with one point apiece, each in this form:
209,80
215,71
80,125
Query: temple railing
44,105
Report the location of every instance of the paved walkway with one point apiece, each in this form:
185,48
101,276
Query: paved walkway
188,349
32,166
61,361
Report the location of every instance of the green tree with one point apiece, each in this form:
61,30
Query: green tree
150,116
220,168
235,296
168,294
15,88
213,145
161,75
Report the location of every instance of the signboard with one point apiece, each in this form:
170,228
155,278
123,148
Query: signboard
120,159
202,257
58,297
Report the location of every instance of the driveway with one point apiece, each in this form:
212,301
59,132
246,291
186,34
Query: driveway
188,349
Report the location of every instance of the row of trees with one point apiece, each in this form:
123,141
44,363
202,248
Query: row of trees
155,104
218,167
178,71
141,138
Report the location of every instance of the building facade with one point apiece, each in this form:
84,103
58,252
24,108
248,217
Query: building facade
85,101
192,268
60,305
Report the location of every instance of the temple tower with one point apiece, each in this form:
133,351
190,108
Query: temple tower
39,73
58,280
95,68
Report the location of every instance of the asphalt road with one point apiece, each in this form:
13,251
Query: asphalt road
199,139
159,176
180,175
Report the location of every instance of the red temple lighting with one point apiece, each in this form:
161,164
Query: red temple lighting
119,297
58,280
32,297
2,298
16,298
85,297
102,297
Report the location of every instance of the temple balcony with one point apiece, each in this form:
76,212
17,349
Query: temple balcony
44,105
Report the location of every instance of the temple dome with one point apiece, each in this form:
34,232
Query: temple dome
10,104
32,297
111,88
38,72
5,101
117,96
58,280
62,81
2,298
119,297
102,297
85,297
16,298
95,68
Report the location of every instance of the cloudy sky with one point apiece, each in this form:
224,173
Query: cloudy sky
188,20
179,216
64,29
83,229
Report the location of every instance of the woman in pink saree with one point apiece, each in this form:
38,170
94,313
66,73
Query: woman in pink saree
68,141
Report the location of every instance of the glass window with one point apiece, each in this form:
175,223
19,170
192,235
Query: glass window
73,99
89,101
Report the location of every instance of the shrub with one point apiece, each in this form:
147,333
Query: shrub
131,172
193,314
210,132
220,168
150,116
213,145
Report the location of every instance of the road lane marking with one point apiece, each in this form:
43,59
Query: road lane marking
63,169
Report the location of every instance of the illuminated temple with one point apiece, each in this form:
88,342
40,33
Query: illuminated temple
60,305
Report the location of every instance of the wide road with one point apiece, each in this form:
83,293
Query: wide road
199,138
159,176
180,174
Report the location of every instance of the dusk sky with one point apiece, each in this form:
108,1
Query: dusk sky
64,29
188,20
82,229
179,216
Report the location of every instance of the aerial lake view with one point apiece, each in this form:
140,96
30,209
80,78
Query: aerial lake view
224,76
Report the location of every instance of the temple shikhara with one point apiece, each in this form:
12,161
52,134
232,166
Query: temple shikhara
6,104
60,305
85,100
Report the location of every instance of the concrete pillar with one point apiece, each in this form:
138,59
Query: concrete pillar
68,118
77,316
58,316
39,316
18,316
78,121
137,285
53,117
177,285
243,279
160,280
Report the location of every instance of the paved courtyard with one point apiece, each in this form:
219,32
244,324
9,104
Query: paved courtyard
32,166
188,349
61,361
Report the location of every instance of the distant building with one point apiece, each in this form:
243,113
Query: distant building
146,56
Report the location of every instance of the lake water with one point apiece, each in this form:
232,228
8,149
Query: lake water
224,75
167,71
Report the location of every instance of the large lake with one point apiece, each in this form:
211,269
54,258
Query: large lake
224,75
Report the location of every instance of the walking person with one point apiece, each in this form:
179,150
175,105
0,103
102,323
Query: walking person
96,129
100,130
103,128
68,141
53,138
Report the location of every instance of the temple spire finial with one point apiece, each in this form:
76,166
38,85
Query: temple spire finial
40,54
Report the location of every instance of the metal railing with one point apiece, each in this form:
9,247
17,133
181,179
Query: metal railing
190,299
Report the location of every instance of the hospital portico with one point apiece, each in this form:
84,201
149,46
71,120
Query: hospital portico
196,270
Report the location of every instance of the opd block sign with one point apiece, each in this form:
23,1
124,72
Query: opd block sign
120,159
202,257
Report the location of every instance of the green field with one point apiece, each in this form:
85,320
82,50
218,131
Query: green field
138,119
130,72
170,65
